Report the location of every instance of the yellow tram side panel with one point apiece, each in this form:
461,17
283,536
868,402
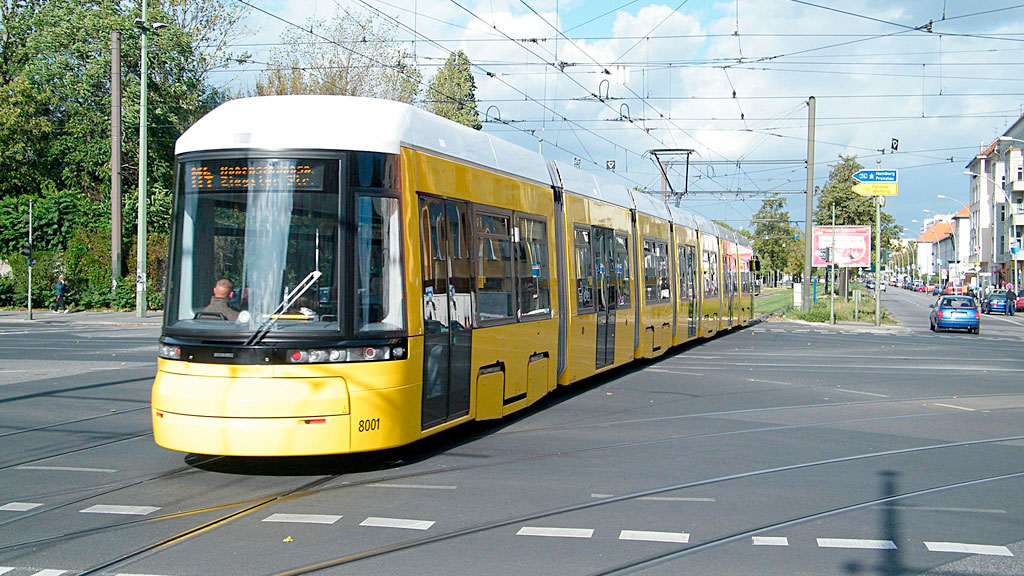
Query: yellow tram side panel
582,340
510,345
655,319
688,237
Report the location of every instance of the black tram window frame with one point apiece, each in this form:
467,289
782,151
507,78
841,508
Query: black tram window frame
661,258
483,209
545,276
343,256
625,280
589,230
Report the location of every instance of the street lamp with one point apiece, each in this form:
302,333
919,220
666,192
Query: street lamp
140,268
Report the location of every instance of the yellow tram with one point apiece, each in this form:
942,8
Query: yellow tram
349,274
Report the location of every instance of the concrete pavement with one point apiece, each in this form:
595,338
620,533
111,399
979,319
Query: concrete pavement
93,317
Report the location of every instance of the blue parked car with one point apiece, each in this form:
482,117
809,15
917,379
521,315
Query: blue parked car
994,302
955,312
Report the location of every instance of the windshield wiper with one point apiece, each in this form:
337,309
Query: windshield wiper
286,303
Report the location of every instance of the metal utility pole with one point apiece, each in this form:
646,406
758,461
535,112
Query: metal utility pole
115,158
29,259
140,268
832,281
805,304
878,257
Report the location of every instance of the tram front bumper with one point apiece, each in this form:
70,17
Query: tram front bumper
254,416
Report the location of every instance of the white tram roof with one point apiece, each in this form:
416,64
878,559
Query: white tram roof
598,187
707,226
352,123
682,217
651,205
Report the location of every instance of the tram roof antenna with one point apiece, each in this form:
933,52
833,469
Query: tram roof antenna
657,155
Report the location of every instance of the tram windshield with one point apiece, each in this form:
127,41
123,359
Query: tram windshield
259,244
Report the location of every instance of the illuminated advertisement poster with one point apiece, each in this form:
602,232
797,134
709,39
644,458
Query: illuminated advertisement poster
852,246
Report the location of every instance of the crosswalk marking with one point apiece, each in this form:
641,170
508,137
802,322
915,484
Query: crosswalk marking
397,523
645,536
19,507
863,544
958,547
112,509
303,518
555,532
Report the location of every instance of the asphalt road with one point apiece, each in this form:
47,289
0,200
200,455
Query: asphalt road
782,449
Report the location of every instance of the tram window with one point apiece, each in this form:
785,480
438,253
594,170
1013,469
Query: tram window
532,265
584,271
709,273
656,272
495,293
379,278
265,225
622,277
685,272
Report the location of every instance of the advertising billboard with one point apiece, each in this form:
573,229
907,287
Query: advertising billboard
852,246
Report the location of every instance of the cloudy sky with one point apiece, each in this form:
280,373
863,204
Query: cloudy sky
729,80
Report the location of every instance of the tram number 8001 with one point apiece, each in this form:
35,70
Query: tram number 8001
369,425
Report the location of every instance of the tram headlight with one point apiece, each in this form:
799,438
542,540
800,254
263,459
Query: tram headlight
169,352
354,354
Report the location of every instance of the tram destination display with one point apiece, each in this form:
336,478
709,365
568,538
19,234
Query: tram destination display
241,175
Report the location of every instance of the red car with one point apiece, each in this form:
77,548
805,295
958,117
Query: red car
1019,306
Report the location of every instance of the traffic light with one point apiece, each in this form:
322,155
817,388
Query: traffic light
26,251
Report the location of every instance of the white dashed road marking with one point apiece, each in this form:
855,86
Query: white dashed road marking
674,499
415,486
968,548
5,569
19,507
68,469
956,407
397,523
49,573
645,536
555,532
770,541
303,518
112,509
856,543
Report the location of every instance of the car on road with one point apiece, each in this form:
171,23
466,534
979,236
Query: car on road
994,302
1020,302
955,313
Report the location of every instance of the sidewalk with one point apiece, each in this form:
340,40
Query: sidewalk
43,317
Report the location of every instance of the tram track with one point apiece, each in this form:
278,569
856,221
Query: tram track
319,486
510,521
73,421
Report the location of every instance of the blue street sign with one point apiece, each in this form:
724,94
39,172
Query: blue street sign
876,176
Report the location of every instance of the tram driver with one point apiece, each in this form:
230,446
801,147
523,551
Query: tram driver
223,291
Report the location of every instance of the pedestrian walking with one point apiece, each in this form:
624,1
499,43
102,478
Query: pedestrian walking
1011,301
60,292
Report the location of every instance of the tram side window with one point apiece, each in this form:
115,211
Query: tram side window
495,296
532,264
664,277
656,272
622,277
379,277
686,273
584,271
709,273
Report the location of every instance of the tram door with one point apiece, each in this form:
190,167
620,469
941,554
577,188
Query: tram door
607,294
447,309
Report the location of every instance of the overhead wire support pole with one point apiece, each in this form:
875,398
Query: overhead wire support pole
805,303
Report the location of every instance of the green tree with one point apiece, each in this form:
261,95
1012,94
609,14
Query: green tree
851,208
350,54
774,236
452,92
